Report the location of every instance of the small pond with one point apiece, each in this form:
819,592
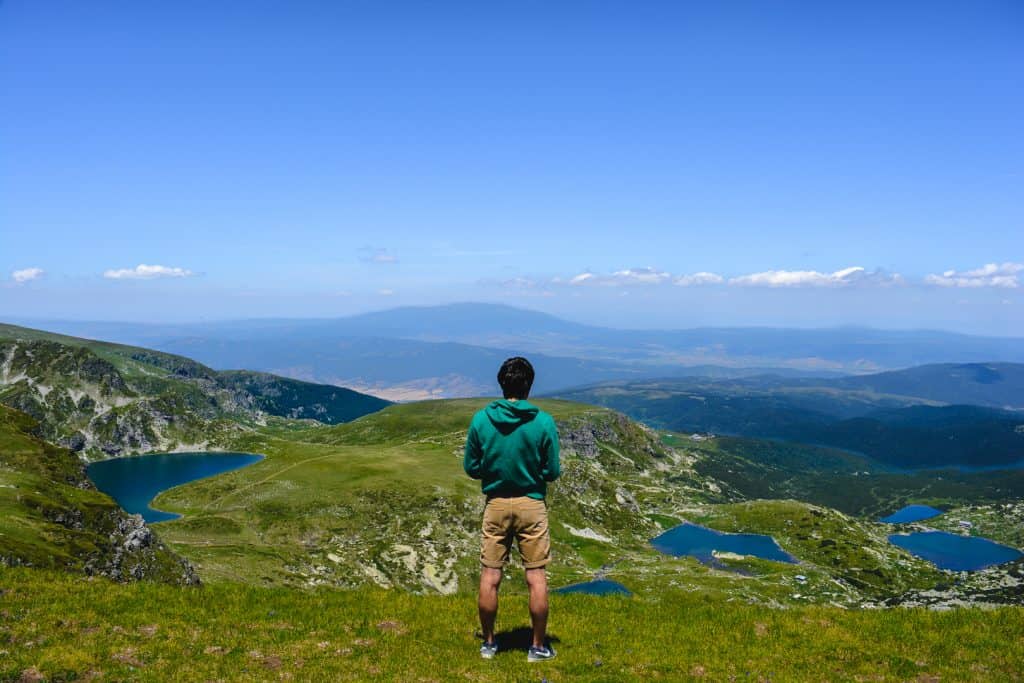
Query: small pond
134,481
955,552
912,513
698,541
596,587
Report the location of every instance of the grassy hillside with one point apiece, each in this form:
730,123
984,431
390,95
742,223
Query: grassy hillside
749,468
102,399
899,430
383,501
51,516
55,627
996,385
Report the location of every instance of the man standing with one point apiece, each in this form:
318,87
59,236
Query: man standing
512,448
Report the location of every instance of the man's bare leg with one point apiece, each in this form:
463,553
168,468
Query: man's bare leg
490,579
537,580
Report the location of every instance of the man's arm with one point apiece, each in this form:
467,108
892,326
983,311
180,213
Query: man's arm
552,464
472,459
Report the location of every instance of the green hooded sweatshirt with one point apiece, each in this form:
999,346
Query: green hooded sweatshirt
512,448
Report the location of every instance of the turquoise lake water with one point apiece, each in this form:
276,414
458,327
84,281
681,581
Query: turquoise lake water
912,513
596,587
955,552
697,541
134,481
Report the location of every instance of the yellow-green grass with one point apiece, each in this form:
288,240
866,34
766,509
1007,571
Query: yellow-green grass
384,500
66,628
749,468
353,492
855,550
50,518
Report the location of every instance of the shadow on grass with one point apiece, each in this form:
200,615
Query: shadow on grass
519,639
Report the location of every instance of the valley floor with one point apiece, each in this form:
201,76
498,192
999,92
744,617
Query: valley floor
58,627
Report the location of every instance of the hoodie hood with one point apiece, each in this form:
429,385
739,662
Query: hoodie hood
507,416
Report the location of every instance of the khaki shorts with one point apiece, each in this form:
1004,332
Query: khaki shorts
522,518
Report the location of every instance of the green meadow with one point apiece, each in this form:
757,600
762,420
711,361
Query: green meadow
349,553
57,627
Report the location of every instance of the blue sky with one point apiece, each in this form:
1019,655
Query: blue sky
636,164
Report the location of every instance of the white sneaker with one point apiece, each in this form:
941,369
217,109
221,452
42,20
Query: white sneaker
540,654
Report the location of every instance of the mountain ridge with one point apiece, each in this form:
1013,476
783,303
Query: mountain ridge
900,429
104,399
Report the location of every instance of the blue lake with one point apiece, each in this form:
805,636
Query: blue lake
955,552
912,513
596,587
697,541
134,481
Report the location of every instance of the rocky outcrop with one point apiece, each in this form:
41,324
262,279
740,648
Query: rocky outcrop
137,554
79,528
581,437
105,401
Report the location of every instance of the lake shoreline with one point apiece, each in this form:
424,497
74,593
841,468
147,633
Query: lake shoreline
135,481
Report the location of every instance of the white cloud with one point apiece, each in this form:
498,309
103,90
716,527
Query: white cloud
793,278
990,275
385,292
145,272
696,279
854,275
377,255
630,276
580,279
27,275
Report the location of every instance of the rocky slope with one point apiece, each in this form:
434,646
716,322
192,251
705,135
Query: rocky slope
51,515
103,400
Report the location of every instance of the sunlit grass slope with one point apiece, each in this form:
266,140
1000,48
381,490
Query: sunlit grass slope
761,468
59,628
383,501
50,516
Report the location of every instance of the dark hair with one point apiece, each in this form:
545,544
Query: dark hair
516,377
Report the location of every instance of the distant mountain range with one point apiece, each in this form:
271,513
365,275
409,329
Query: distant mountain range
454,350
127,397
997,385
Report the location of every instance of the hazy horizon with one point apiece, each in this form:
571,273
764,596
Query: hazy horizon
31,321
